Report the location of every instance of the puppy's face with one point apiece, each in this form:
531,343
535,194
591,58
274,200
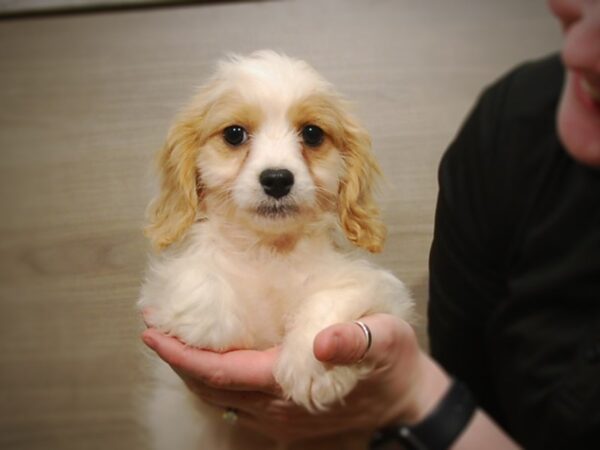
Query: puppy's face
271,157
268,144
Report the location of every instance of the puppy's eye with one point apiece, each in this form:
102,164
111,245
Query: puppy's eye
235,135
312,135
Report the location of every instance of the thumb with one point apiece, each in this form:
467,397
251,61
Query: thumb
346,343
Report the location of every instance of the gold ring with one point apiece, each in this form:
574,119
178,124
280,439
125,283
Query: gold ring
230,416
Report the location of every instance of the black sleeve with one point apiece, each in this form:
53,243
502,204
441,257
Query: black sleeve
463,282
514,307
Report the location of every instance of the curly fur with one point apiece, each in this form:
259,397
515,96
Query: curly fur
235,268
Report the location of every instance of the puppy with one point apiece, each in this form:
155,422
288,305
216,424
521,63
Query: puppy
260,175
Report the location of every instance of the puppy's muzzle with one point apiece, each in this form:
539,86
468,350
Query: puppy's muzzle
276,183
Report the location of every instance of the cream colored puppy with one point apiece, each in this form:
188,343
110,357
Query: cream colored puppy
259,175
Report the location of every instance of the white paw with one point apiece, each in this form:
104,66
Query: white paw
310,383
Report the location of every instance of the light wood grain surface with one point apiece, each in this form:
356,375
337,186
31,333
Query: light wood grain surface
86,100
23,8
36,6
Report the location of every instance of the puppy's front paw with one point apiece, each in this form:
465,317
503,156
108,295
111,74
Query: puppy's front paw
311,383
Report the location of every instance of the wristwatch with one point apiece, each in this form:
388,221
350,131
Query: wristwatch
439,430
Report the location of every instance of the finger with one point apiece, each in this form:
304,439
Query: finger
284,423
272,409
249,370
248,401
346,343
282,434
275,418
242,416
287,426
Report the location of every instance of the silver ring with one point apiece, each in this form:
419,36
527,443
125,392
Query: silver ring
368,336
230,416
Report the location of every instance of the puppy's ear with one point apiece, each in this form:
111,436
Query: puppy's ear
359,215
174,210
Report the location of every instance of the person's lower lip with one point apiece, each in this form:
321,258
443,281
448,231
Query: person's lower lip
592,91
589,94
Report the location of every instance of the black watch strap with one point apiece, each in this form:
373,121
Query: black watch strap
440,428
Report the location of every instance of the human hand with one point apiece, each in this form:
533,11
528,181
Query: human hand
403,385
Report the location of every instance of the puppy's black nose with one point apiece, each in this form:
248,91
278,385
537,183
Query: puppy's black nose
276,183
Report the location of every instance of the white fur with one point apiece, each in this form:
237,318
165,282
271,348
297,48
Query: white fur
226,287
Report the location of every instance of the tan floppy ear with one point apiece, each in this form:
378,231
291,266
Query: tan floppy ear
359,215
173,211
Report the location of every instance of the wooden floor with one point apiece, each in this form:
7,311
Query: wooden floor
85,101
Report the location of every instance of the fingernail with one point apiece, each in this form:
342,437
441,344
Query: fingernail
149,341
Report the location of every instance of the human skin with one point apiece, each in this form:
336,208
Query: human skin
406,383
404,386
243,380
579,111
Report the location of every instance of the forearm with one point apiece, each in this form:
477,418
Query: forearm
480,432
483,432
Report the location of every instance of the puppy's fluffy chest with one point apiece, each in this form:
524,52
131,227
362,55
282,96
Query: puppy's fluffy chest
280,271
263,283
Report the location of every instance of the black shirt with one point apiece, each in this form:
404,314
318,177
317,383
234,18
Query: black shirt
515,266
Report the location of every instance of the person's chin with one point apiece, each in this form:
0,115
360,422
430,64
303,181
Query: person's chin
579,121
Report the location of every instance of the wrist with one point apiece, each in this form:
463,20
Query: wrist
430,385
440,427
